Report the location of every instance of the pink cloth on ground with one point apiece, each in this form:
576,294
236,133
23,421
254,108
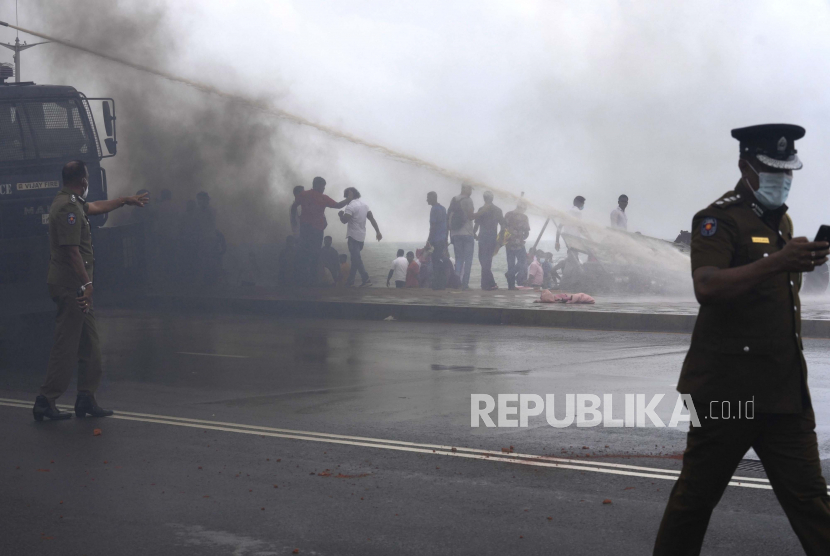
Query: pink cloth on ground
581,298
548,297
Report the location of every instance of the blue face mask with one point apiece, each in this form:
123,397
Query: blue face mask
773,189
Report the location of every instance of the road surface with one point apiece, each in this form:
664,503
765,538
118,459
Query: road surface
253,435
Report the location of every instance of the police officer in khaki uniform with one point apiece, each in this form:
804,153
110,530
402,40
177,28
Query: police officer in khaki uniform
70,274
746,347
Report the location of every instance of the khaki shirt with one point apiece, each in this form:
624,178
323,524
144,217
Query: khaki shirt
68,225
750,346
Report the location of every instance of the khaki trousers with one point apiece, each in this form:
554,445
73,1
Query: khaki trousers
76,345
788,449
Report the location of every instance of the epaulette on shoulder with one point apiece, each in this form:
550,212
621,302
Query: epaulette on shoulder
66,200
728,199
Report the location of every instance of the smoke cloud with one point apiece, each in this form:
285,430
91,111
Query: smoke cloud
551,98
171,137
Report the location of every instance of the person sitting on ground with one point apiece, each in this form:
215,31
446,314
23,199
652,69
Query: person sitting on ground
535,274
412,271
344,270
529,258
330,259
550,278
324,277
398,270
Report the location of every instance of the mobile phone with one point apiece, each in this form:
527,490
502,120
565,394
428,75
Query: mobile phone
823,233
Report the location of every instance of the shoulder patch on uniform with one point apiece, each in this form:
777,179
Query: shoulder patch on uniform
709,226
72,198
70,219
728,199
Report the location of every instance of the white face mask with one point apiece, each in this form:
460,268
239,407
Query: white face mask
773,189
86,190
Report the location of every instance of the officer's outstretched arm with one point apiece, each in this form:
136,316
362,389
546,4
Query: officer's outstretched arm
722,285
103,207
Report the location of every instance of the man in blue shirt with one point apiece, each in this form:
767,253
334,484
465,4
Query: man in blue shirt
438,240
486,230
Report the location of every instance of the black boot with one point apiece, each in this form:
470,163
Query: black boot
86,404
45,408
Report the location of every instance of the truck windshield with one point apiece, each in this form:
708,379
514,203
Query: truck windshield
43,130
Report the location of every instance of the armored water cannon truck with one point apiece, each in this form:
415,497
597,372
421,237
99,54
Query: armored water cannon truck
41,128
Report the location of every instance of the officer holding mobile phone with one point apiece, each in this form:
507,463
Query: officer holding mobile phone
747,347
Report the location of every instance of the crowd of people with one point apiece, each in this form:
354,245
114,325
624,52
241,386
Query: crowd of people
309,259
184,246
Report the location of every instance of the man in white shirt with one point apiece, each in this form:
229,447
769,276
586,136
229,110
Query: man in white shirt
619,220
398,270
575,213
355,216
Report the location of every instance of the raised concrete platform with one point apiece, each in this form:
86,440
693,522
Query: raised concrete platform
652,314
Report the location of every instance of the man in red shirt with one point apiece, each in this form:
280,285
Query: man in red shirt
313,223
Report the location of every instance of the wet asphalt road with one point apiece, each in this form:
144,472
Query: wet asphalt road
156,485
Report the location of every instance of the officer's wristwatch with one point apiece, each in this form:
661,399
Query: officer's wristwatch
83,288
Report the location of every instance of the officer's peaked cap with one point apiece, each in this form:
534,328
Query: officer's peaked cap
772,144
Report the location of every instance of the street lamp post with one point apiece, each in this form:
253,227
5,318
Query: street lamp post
17,48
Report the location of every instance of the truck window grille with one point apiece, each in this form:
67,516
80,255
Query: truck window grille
45,130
